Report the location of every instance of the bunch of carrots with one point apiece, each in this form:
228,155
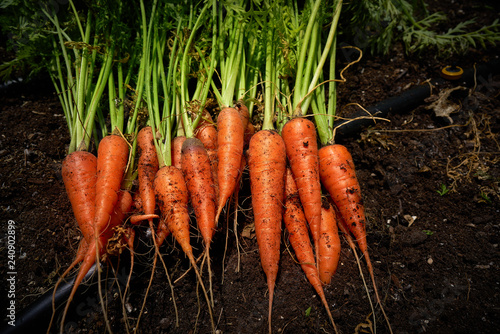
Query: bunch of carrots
187,154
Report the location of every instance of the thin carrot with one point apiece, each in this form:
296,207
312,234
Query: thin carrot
299,135
230,137
298,234
172,198
328,244
267,166
176,151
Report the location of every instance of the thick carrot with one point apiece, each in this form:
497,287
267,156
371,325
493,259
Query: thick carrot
328,244
299,135
172,198
147,167
176,151
339,179
197,173
267,167
230,138
298,234
112,158
79,173
207,133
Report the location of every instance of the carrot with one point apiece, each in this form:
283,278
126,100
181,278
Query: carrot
112,158
338,176
147,167
299,135
207,133
267,167
230,137
197,173
176,151
339,179
298,234
328,244
172,198
79,173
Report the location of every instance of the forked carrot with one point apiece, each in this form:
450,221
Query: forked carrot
298,234
112,157
267,167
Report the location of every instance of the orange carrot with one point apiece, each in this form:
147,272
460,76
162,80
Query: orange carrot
197,173
172,198
299,135
112,158
328,244
230,138
267,166
338,176
147,167
79,173
298,234
207,133
339,179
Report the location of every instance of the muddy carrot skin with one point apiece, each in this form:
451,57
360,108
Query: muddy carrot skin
147,167
299,135
206,132
198,175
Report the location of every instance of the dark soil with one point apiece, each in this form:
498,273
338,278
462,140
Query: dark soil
431,191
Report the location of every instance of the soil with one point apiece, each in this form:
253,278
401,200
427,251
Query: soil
431,192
